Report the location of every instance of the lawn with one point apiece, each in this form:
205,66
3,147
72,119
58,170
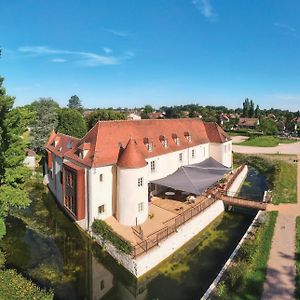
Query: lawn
265,141
245,277
285,183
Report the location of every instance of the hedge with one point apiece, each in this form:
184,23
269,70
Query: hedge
107,233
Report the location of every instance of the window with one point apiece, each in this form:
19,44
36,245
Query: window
165,143
70,203
69,145
61,177
152,164
177,141
193,153
101,177
101,285
69,179
150,147
180,157
188,137
140,206
101,209
140,181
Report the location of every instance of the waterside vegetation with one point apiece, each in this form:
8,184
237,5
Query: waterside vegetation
281,175
245,277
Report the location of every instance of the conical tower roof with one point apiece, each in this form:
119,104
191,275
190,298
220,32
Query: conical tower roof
131,157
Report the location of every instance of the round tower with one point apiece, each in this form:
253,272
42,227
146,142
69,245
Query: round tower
132,186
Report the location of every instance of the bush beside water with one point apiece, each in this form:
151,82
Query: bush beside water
107,233
245,277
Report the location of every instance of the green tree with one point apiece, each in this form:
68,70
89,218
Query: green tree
257,112
268,126
103,115
75,103
71,122
46,120
148,109
251,109
13,174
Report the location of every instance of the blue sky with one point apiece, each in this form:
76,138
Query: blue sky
162,52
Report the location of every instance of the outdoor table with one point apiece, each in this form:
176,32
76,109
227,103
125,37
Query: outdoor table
167,194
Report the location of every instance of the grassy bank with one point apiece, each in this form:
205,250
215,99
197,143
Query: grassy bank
297,296
245,277
265,141
285,183
281,175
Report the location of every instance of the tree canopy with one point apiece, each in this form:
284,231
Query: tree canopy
46,110
13,174
75,103
102,115
71,122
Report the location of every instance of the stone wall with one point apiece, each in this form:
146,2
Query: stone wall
144,263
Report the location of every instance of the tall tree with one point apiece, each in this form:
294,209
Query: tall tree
46,120
13,174
246,105
251,109
71,122
257,112
75,103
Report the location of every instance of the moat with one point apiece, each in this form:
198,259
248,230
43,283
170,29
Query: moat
47,247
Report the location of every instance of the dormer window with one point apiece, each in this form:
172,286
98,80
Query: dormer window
69,145
55,142
80,153
188,137
164,141
176,139
148,144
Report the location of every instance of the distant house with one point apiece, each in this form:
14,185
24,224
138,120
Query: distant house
296,123
29,160
250,123
133,116
156,115
223,118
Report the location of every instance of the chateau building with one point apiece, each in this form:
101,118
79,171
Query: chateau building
109,171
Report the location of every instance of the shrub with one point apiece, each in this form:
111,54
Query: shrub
107,233
15,286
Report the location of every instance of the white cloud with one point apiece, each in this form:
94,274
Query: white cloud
284,27
58,60
117,32
79,57
107,50
206,9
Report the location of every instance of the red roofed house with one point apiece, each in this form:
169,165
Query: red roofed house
107,172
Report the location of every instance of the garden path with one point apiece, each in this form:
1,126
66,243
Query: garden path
281,268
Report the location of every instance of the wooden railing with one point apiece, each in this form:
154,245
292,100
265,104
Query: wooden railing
235,175
171,226
229,200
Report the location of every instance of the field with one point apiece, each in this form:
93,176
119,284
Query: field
265,141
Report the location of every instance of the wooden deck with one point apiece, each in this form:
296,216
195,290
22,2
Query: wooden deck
243,202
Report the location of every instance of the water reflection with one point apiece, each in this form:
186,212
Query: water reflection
44,244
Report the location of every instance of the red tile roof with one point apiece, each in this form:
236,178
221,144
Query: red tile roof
216,134
131,157
63,143
248,122
107,138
